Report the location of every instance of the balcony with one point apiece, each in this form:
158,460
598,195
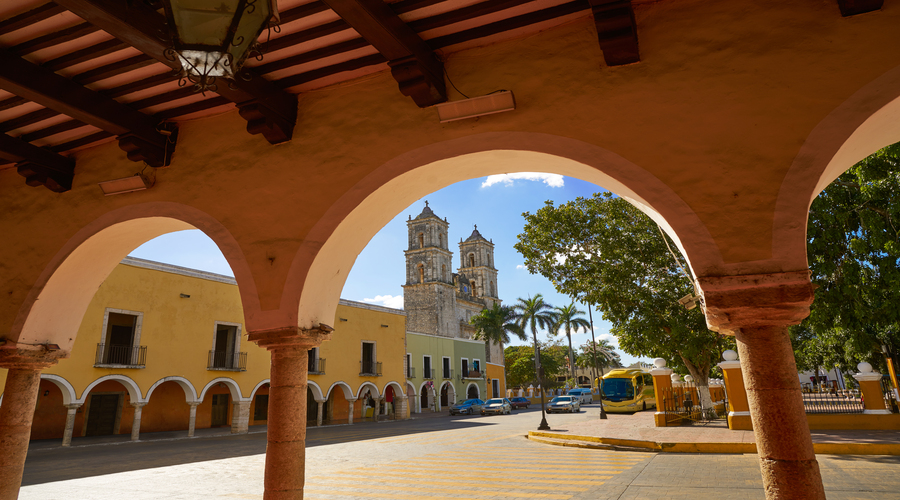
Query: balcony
370,368
316,366
227,361
428,374
447,374
410,372
121,356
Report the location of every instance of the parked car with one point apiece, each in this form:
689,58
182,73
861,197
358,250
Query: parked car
564,404
498,406
519,402
585,396
467,407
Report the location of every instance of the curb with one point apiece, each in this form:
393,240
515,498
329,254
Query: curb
595,442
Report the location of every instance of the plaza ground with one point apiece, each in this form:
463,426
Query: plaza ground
427,458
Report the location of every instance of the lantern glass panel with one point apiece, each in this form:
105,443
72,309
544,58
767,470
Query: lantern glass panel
256,17
201,22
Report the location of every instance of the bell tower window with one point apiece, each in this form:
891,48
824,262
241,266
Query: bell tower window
471,260
421,273
421,240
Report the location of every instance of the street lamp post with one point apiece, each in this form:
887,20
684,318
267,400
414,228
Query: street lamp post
539,372
596,365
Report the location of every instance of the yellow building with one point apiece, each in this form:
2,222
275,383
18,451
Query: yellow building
164,348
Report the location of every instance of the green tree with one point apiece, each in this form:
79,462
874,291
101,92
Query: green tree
495,325
602,250
534,313
607,357
520,363
853,247
569,318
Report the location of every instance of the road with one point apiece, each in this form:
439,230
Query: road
429,458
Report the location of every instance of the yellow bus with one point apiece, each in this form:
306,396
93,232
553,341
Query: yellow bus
627,390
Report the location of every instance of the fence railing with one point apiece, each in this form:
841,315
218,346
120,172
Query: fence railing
835,401
370,368
447,374
227,360
428,373
410,372
682,405
125,355
316,366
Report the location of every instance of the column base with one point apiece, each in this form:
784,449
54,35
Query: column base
740,421
792,480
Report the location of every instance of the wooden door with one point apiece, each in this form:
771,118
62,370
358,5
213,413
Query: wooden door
219,414
102,415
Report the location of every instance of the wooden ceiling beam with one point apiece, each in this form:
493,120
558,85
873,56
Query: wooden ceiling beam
85,54
854,7
139,25
464,14
39,166
616,31
55,38
113,69
362,62
138,134
26,19
413,64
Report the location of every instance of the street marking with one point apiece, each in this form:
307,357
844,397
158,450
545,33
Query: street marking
403,474
513,463
490,492
518,479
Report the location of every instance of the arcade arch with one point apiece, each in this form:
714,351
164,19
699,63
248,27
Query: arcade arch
190,394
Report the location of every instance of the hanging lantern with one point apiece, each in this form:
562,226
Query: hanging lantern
213,38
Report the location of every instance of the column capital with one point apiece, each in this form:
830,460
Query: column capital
660,372
292,336
867,377
13,357
755,300
74,406
726,365
194,404
138,404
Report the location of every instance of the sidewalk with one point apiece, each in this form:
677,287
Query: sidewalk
639,432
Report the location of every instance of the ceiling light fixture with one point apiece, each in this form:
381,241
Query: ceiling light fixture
490,104
213,39
136,182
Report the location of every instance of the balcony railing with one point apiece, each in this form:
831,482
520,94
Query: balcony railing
447,374
121,355
428,374
410,372
227,360
317,366
370,368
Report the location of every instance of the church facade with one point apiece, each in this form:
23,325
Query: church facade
444,362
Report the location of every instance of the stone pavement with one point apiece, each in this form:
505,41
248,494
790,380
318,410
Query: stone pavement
639,431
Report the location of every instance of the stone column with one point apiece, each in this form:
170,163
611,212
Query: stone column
240,417
286,448
376,409
319,412
738,407
17,411
757,310
401,407
192,421
136,423
870,386
662,387
350,415
71,410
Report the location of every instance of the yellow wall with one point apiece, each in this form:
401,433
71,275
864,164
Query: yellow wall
496,372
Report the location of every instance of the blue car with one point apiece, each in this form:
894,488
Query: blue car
467,407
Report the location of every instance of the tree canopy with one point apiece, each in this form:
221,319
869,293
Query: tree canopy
569,318
604,251
853,247
519,362
495,325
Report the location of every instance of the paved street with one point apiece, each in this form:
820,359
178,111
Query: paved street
429,458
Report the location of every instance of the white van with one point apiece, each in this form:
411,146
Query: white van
584,395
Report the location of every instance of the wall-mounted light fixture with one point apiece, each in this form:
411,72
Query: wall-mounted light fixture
490,104
136,182
384,326
184,295
343,319
46,393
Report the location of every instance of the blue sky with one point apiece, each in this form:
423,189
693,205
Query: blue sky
494,203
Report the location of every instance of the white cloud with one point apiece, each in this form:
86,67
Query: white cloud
552,180
393,301
521,266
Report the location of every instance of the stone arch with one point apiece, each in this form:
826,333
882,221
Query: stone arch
864,123
68,392
353,219
469,390
257,387
348,392
56,303
415,405
451,393
134,392
233,388
398,389
190,394
374,387
316,390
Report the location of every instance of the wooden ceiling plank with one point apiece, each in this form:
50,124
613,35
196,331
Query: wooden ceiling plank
82,141
509,24
39,166
56,92
306,57
55,129
85,54
55,38
191,108
305,10
404,6
113,69
362,62
12,102
413,64
464,14
33,16
163,98
307,35
27,119
142,84
140,25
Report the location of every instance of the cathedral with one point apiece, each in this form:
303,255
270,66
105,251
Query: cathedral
439,303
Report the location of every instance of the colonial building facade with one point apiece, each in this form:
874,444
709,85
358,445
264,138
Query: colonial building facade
444,363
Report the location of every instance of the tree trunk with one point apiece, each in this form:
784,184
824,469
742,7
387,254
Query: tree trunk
487,351
572,360
701,380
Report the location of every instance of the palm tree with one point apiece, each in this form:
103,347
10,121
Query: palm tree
495,325
569,318
606,354
534,313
